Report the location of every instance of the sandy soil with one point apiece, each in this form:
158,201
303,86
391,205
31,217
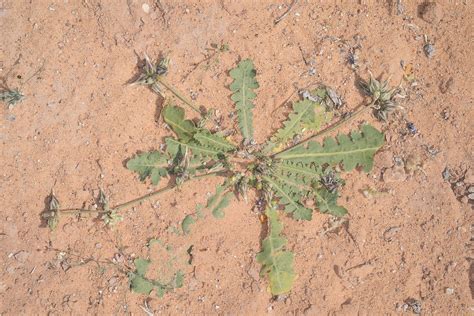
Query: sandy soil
410,244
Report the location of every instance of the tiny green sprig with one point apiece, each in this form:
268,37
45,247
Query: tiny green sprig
11,97
383,97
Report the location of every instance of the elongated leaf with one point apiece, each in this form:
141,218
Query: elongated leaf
216,141
276,262
302,172
174,146
150,164
242,88
326,202
358,149
289,194
174,117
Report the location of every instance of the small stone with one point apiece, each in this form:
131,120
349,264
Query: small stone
470,189
3,287
412,128
430,12
446,174
414,304
21,256
113,281
98,245
390,233
146,8
395,174
429,50
446,85
471,196
449,291
10,117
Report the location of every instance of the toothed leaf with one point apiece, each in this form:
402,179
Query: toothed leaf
327,202
290,194
276,262
150,164
243,94
174,117
358,149
216,141
306,115
198,150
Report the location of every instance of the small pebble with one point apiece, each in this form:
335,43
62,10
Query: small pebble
449,291
446,174
146,8
412,128
429,50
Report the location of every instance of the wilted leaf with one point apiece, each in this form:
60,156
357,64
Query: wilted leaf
276,262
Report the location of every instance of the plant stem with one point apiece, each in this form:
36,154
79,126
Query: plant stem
357,111
178,94
134,201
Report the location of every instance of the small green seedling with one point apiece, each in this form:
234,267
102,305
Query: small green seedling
11,97
292,173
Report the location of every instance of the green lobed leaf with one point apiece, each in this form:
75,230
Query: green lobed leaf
358,149
174,117
141,266
243,94
276,262
327,202
152,164
141,285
